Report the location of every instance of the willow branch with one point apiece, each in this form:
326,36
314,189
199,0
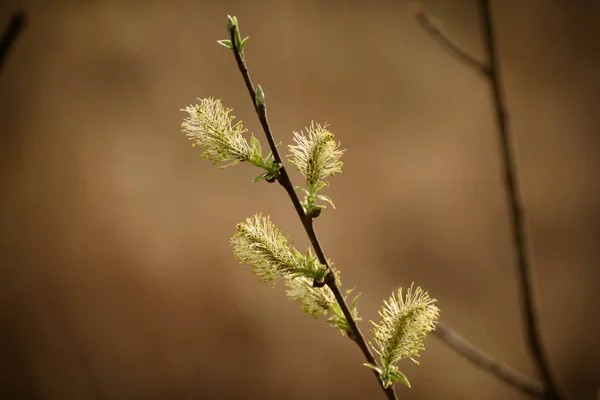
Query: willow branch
524,269
10,35
490,70
285,181
487,363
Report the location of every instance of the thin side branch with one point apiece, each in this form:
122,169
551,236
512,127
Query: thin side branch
524,269
10,35
307,222
432,27
487,363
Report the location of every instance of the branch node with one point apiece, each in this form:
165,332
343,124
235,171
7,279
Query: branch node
432,26
314,213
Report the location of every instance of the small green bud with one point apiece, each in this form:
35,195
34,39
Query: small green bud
231,22
260,96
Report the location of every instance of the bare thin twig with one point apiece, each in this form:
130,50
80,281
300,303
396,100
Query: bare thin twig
432,27
490,69
307,222
11,33
524,269
486,362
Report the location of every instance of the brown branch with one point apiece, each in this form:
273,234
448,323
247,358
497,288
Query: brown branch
490,70
307,221
432,27
11,33
487,363
524,269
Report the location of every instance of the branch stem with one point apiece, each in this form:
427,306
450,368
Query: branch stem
10,35
500,370
431,26
285,181
524,269
490,70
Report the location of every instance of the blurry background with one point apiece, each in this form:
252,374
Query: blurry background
116,278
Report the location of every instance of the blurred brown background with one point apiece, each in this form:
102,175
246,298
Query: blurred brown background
116,278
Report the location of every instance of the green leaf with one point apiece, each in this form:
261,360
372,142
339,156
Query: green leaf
238,39
255,144
300,188
243,43
226,43
336,309
309,256
318,186
269,162
257,161
397,376
260,177
256,157
338,320
299,256
326,199
320,274
277,167
373,367
339,323
383,361
353,305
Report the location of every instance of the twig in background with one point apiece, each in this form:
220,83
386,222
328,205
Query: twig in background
487,363
490,69
432,27
524,269
10,35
